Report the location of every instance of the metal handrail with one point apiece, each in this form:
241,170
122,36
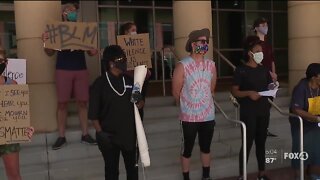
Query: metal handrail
244,137
224,58
301,132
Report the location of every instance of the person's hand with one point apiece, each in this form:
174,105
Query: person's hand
253,95
92,52
30,131
140,104
274,76
136,97
45,36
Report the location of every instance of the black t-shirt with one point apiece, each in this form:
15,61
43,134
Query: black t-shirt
71,60
253,79
115,113
300,95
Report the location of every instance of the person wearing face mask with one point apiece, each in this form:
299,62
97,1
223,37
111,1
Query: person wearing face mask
130,28
112,114
10,152
72,80
249,79
305,102
260,27
193,85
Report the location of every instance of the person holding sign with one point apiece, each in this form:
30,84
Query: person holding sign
249,79
305,102
193,85
72,78
260,27
112,114
131,29
10,152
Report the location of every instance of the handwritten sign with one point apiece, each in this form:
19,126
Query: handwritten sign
137,49
14,113
72,35
16,70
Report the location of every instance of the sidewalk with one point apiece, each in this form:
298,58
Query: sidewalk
276,174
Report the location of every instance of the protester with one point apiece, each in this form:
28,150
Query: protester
305,102
249,79
260,27
112,114
72,80
10,152
131,29
193,86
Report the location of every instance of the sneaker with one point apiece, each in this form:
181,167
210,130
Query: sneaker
60,142
207,178
264,177
87,139
271,134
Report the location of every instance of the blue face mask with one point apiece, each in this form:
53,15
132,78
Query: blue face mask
202,49
72,16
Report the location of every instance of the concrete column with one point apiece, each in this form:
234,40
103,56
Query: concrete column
88,13
304,38
189,16
30,18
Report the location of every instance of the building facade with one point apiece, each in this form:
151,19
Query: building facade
292,32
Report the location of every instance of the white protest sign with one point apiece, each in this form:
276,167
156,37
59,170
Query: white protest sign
17,70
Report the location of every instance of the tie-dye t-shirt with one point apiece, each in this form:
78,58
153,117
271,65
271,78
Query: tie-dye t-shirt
196,102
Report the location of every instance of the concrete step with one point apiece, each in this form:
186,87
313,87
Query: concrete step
169,100
36,151
78,161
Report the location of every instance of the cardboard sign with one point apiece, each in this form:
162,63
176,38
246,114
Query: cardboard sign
72,35
16,70
14,113
137,49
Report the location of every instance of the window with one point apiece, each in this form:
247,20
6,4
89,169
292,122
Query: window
231,29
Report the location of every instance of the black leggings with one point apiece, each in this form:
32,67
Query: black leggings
189,133
256,131
111,157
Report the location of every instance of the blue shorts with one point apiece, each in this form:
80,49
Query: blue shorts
311,145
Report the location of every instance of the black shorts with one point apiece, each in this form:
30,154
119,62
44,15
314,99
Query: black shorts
189,132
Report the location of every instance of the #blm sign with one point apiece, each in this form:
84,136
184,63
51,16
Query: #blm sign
16,70
137,49
14,113
72,35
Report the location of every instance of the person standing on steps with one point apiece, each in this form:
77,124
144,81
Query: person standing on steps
193,85
112,114
10,152
305,102
249,79
260,27
72,80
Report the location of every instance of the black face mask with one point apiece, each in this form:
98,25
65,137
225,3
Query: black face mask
2,67
122,65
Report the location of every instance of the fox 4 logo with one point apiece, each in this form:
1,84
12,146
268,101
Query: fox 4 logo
298,155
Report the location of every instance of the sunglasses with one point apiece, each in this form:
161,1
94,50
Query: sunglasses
121,59
202,41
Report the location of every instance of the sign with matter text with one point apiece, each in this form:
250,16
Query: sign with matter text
72,35
14,113
137,49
